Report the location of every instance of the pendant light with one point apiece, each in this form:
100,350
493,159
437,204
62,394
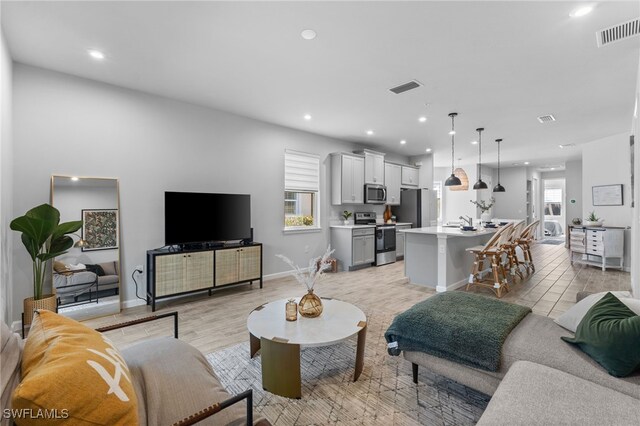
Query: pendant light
452,180
498,187
480,184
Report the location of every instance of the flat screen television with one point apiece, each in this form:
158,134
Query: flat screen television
193,217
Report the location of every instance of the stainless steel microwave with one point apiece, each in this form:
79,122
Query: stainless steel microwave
375,194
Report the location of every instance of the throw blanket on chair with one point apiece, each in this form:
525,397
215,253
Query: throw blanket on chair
456,326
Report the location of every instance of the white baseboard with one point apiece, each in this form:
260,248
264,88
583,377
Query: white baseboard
133,302
277,275
137,302
442,289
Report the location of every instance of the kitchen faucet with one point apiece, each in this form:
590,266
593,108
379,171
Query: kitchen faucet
468,220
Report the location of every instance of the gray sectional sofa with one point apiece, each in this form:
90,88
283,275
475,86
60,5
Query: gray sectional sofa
543,380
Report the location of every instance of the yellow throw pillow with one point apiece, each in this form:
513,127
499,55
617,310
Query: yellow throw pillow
72,375
61,268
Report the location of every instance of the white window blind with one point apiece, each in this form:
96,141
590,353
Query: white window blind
301,172
553,195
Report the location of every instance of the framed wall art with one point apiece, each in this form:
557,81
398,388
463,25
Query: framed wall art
607,195
100,229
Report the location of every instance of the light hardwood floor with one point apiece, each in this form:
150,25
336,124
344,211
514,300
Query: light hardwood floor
213,323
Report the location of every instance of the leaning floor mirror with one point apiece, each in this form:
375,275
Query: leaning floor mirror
86,279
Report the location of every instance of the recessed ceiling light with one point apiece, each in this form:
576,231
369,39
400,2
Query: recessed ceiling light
552,168
515,164
307,117
370,132
581,11
308,34
75,178
422,119
453,132
428,149
96,54
561,146
474,142
402,142
526,163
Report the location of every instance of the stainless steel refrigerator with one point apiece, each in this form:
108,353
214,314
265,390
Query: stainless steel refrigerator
417,206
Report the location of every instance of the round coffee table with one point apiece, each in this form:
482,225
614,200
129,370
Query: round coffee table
279,340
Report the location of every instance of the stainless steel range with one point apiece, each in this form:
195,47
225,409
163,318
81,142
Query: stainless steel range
385,237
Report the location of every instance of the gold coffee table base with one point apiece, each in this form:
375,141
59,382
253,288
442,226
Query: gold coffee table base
281,363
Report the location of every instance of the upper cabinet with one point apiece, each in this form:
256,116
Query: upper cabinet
347,178
410,176
373,166
392,178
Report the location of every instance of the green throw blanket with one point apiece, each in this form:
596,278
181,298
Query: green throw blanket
456,326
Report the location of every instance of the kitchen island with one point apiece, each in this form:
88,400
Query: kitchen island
436,256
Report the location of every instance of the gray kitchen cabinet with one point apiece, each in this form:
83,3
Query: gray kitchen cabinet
355,246
373,166
347,179
410,177
392,178
400,240
364,250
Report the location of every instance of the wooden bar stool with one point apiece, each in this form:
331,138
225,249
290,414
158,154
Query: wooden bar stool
491,251
512,262
524,242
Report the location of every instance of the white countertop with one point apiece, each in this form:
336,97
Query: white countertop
452,232
351,226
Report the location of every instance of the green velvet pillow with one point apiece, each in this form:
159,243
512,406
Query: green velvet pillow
96,269
610,334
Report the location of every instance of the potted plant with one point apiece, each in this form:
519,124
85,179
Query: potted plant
593,220
346,215
44,237
484,208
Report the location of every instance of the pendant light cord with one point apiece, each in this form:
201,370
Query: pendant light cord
480,154
453,135
498,160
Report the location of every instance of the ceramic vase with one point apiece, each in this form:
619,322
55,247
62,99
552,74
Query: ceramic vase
310,305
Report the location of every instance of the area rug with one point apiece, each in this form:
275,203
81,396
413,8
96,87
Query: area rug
383,395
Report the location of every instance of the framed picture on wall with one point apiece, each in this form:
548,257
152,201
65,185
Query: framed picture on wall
100,229
607,195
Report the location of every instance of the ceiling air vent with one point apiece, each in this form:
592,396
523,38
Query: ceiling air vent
413,84
546,118
618,32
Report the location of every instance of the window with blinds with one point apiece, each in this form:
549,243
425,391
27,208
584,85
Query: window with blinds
301,190
553,201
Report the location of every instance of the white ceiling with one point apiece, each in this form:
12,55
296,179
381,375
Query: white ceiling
498,64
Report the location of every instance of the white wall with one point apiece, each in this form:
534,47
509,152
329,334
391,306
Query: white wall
72,126
457,203
512,203
6,182
635,227
606,161
573,185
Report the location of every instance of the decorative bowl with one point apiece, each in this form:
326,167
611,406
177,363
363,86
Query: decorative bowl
592,223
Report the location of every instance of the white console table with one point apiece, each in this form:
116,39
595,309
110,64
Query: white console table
594,246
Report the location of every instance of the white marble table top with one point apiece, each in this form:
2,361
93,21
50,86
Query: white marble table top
339,321
451,232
